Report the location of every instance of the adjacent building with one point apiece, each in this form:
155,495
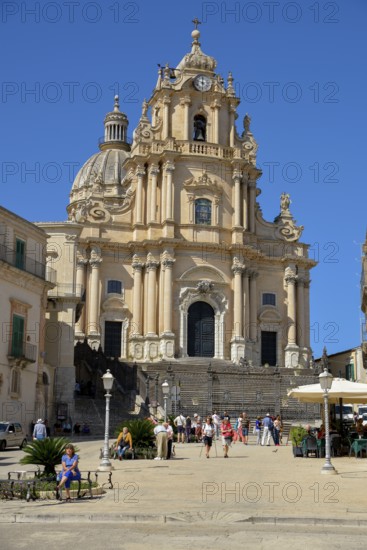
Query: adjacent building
26,377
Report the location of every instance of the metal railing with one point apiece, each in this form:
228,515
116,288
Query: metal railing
26,263
66,289
24,350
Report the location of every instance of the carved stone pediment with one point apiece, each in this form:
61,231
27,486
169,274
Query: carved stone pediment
203,183
113,303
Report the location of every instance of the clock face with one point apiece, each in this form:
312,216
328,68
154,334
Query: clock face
202,83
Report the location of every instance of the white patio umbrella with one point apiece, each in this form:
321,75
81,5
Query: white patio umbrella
350,392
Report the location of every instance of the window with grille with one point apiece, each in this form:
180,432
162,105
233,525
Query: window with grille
114,287
203,212
269,299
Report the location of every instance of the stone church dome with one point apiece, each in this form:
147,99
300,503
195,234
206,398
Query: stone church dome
104,168
98,189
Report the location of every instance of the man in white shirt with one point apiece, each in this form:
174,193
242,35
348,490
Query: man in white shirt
179,422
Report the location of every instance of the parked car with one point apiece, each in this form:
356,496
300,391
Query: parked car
12,435
364,418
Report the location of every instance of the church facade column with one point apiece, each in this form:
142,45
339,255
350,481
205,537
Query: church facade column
167,337
215,106
168,169
140,173
153,179
237,197
251,208
186,102
291,350
80,278
137,266
238,341
93,301
232,114
245,202
246,303
166,116
151,267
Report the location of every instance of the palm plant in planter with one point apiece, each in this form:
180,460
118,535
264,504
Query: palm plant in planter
45,452
296,435
142,434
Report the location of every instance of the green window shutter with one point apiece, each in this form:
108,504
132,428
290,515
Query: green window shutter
20,254
17,336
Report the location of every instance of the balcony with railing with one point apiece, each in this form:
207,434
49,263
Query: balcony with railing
67,290
26,263
23,351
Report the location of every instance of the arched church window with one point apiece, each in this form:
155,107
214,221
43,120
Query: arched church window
199,128
203,212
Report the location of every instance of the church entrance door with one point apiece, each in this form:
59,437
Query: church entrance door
200,330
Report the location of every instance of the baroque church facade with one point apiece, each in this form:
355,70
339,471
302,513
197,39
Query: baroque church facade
165,255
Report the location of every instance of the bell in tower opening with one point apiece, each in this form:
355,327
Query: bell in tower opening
199,128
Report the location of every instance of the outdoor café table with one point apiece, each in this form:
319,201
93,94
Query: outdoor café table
358,446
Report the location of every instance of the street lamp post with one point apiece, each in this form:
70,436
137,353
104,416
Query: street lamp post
165,390
106,465
326,380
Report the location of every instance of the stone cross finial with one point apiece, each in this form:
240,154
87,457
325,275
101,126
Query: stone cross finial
196,22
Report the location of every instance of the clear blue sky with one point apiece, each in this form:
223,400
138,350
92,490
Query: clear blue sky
300,72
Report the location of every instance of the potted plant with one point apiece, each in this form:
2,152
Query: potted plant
296,435
47,453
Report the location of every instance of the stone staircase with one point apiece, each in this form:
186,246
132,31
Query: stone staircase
207,385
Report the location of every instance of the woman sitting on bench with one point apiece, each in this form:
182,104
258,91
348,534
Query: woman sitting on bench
70,471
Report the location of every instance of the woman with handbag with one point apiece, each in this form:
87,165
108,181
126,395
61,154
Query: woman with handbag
227,434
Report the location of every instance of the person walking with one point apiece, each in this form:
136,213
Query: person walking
227,434
208,434
267,429
245,428
39,430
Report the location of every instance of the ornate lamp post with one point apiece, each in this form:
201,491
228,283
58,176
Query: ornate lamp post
165,390
326,380
106,465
